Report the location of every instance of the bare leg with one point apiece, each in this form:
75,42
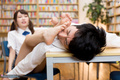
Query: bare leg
23,52
30,42
40,67
46,36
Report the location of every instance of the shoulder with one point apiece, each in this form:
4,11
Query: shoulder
12,32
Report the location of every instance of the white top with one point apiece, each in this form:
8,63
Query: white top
16,39
112,40
35,57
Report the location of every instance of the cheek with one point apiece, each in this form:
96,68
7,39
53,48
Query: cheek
18,21
28,20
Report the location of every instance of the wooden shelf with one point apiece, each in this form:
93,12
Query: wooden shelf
59,11
31,10
59,4
3,34
110,23
8,10
20,4
48,4
109,1
69,11
69,4
117,23
37,10
118,14
113,17
48,11
45,25
109,7
117,31
51,17
5,18
4,25
117,6
110,31
32,17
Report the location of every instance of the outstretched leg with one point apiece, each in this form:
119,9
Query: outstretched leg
46,36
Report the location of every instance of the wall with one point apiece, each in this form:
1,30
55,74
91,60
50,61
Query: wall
82,14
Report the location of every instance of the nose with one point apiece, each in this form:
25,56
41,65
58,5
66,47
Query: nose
23,17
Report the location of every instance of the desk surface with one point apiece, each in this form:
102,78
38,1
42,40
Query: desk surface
106,52
109,55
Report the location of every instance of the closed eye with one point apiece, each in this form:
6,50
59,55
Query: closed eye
67,37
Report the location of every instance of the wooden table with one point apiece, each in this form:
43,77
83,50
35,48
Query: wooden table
109,55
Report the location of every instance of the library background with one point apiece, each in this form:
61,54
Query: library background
41,11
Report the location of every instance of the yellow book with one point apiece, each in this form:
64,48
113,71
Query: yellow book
16,1
43,8
57,8
30,8
18,7
52,1
5,14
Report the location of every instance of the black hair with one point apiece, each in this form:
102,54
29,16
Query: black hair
88,42
14,23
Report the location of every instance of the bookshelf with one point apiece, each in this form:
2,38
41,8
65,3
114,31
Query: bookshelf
113,7
40,11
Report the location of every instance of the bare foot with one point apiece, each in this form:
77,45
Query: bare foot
50,34
64,18
54,21
5,79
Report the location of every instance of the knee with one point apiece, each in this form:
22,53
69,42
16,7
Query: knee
27,41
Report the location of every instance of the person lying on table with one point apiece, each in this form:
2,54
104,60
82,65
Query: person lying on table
83,41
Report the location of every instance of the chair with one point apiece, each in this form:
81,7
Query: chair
38,76
115,75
